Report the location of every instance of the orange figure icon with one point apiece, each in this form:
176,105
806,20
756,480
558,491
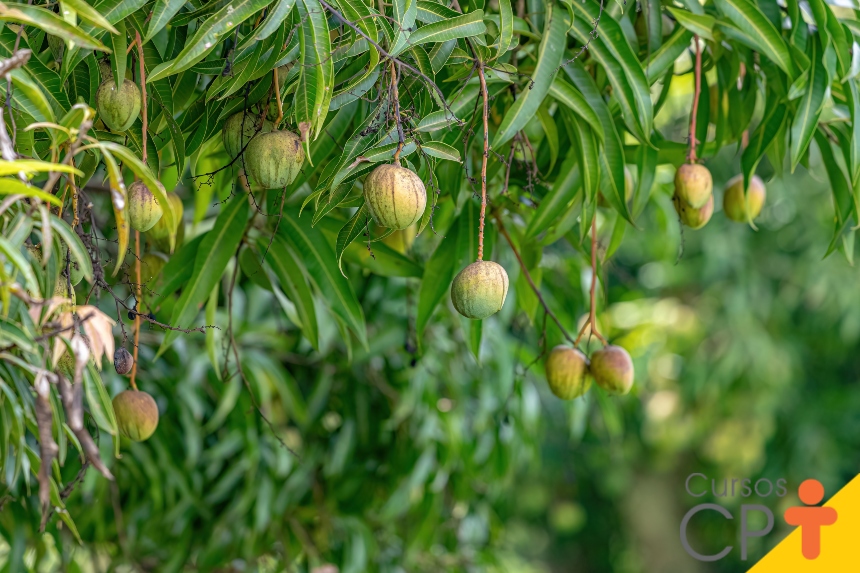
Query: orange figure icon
810,519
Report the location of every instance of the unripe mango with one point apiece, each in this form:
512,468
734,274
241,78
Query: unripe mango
160,229
273,160
118,108
567,372
136,414
694,218
122,361
240,129
739,208
479,290
693,184
612,369
143,208
395,196
150,266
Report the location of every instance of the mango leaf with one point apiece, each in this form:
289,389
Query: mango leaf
142,171
438,274
612,157
319,259
76,248
15,187
316,51
208,35
350,232
809,110
118,203
436,120
761,139
441,151
405,12
162,13
506,27
843,200
749,18
567,184
549,57
573,99
119,57
612,36
90,14
464,26
292,281
703,24
587,155
14,256
48,80
50,23
216,250
29,97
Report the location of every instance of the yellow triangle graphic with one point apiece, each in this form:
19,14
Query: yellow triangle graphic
839,542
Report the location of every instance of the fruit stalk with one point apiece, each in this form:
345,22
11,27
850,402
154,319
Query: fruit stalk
277,86
396,97
592,322
136,232
691,154
532,284
136,307
484,158
142,93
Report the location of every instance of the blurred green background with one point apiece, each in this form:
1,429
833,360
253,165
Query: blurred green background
745,346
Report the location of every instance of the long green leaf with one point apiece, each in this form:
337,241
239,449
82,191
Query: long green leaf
701,24
350,232
809,110
405,12
270,25
319,259
50,23
441,151
143,172
749,18
612,37
464,26
506,27
210,32
90,14
548,56
216,250
573,99
567,184
14,256
612,157
292,281
162,13
76,247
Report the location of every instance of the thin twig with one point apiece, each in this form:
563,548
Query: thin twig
691,154
277,86
385,54
484,159
139,295
591,323
396,97
532,284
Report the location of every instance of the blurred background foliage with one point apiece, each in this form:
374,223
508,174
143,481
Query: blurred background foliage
393,460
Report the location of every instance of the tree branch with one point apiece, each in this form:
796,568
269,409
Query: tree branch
543,303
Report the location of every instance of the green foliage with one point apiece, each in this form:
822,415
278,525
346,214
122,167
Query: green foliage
320,401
